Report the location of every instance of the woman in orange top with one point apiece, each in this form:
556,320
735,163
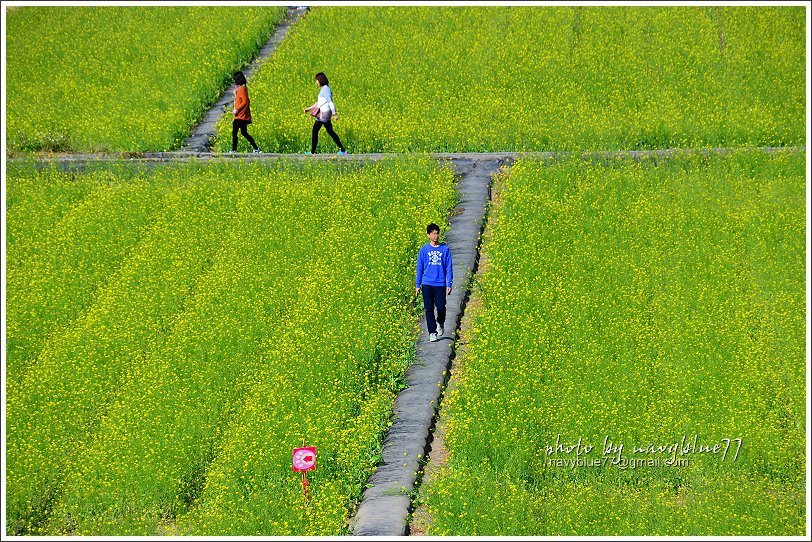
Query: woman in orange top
242,112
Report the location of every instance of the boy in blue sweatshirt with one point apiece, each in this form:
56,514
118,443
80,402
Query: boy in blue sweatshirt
434,279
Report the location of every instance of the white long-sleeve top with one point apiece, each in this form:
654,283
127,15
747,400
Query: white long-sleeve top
325,103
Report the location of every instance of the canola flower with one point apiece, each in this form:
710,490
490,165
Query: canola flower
122,78
73,234
267,303
45,194
537,78
644,301
63,394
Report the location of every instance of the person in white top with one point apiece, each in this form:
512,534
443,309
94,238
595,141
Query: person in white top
324,110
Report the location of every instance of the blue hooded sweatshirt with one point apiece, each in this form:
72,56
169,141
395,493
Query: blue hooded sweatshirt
434,266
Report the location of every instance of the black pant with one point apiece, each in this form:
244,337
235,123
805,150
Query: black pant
329,126
240,126
434,296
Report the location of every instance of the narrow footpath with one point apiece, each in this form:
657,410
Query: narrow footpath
200,138
79,160
386,505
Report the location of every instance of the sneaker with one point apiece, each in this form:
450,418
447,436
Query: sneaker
433,337
257,151
342,152
308,152
440,330
230,152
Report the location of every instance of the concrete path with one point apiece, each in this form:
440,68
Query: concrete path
386,505
186,156
200,138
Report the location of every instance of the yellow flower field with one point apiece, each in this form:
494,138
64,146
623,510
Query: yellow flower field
652,303
117,78
263,305
536,78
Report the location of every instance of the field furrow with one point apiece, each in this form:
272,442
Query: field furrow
166,422
55,273
62,398
35,202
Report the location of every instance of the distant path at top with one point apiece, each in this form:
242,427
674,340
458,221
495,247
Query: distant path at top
79,160
200,138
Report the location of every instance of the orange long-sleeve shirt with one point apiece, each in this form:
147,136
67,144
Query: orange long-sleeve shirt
242,104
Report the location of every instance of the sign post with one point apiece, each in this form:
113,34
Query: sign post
304,459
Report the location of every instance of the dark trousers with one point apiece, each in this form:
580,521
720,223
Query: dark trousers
434,296
315,139
240,126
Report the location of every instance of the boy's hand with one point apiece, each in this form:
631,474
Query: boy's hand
417,291
448,291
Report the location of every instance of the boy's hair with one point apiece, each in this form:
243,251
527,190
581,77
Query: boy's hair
432,227
239,78
322,79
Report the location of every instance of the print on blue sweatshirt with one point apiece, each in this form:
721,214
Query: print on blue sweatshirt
434,266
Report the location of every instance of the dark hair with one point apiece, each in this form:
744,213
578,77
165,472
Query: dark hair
432,227
239,78
322,79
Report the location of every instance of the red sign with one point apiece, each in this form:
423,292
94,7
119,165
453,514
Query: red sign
304,459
